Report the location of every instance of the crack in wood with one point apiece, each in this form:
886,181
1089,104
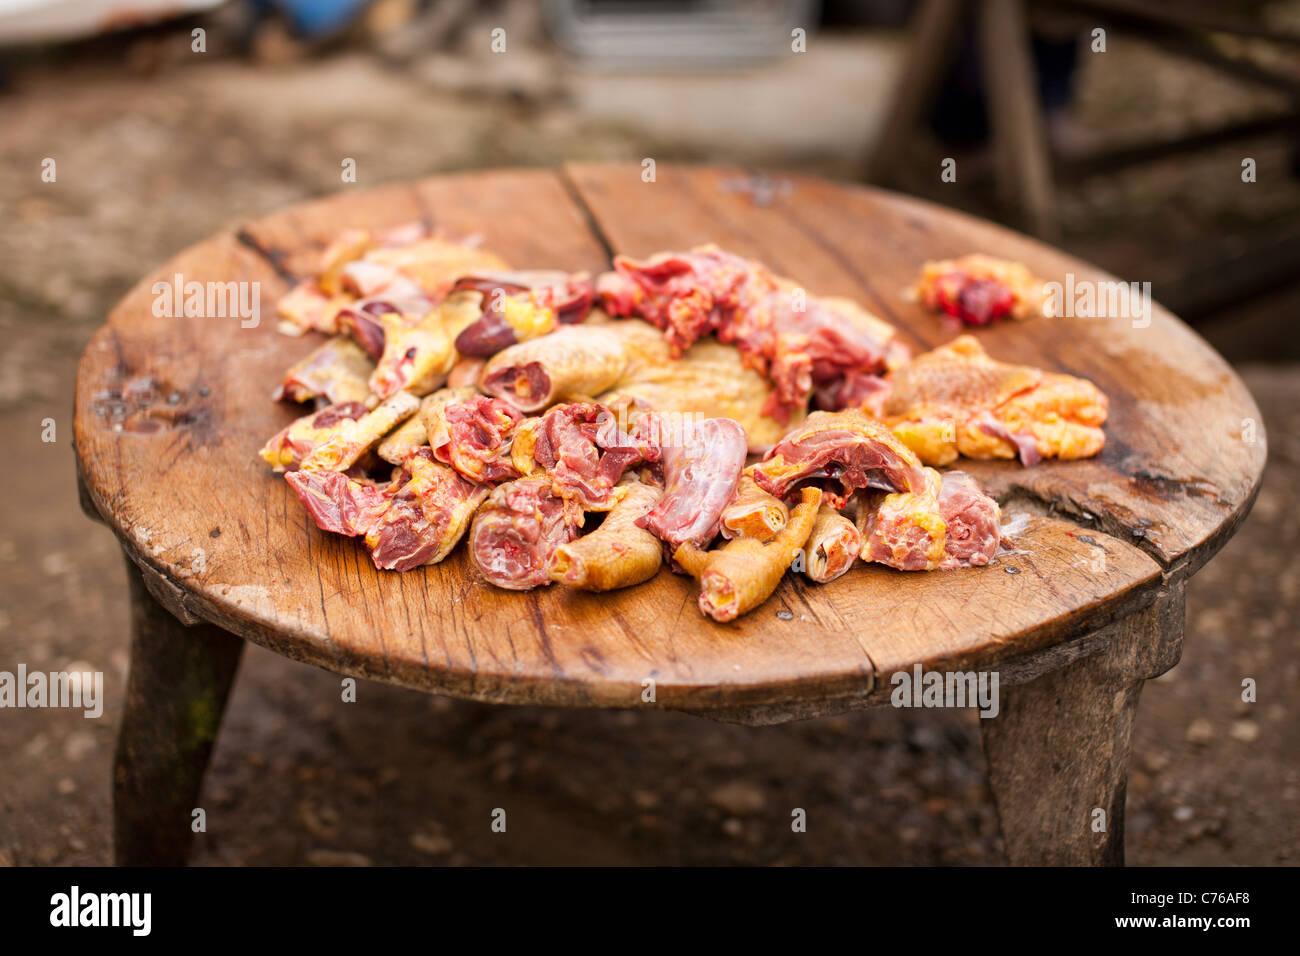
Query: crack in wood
588,214
273,257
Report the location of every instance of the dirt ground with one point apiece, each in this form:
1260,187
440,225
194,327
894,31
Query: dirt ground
155,153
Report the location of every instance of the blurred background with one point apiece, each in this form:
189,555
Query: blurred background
172,119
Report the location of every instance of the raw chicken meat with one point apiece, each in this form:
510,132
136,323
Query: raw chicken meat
956,400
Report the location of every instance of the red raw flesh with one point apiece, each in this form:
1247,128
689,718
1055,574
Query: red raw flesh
883,540
851,390
687,295
701,468
842,456
974,533
800,343
475,431
517,532
586,453
339,503
974,301
365,328
415,525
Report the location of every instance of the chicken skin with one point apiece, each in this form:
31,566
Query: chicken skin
955,400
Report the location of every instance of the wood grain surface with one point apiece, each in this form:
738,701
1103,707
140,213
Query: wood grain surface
171,411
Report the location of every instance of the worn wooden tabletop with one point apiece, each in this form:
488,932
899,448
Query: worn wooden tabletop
170,413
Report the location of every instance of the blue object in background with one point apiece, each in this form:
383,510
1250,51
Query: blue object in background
314,17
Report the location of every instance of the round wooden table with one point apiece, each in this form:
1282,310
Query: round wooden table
170,412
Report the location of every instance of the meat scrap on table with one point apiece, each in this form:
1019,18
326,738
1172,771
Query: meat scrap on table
979,290
955,400
691,409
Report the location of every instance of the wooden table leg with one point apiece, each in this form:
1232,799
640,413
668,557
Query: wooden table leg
1058,750
933,30
1024,168
176,692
